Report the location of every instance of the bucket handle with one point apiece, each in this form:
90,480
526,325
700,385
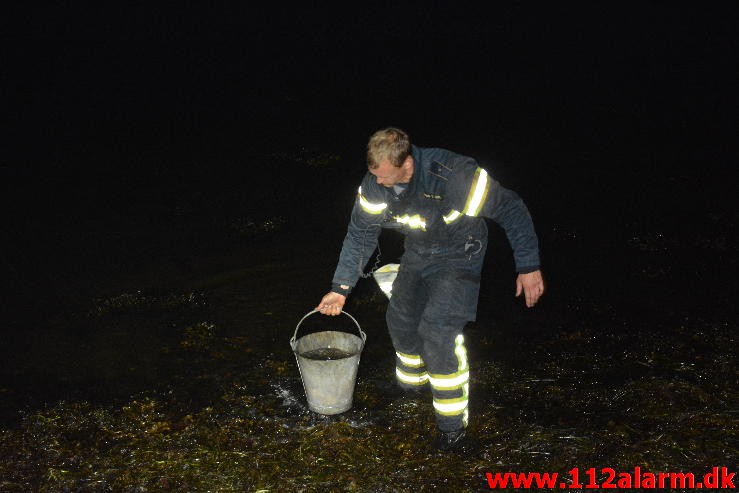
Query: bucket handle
361,332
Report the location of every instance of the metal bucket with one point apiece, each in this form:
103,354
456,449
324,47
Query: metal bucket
328,363
385,277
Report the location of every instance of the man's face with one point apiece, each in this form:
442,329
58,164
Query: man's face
388,175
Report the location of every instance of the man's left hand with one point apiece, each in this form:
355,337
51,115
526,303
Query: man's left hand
532,286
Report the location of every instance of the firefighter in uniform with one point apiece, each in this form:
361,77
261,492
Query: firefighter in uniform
438,199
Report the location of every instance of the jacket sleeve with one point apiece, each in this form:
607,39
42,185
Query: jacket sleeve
476,193
362,234
506,208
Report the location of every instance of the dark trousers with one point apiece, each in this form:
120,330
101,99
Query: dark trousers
433,297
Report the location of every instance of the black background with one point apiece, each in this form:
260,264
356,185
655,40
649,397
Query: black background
610,119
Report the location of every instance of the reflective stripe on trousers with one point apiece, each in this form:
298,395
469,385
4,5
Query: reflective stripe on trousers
431,303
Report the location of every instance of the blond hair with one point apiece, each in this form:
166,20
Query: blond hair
389,143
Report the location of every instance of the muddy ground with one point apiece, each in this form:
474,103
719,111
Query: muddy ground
148,351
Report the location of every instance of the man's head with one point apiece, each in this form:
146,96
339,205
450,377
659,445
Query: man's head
389,156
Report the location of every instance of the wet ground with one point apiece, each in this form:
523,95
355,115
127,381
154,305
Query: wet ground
164,364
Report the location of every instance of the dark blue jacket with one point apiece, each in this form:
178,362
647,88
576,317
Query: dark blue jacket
441,210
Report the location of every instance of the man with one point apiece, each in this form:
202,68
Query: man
438,199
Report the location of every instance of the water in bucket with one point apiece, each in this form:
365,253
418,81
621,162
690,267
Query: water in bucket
326,353
328,363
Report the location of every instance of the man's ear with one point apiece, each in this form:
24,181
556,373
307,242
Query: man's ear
408,163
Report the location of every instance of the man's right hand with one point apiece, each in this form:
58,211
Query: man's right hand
331,304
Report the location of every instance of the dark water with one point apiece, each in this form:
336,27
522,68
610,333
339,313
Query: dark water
327,353
148,346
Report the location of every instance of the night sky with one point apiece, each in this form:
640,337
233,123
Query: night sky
593,112
146,81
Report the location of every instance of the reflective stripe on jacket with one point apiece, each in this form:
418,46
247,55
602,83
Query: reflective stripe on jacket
441,209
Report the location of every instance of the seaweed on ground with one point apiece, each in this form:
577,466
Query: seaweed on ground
581,397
